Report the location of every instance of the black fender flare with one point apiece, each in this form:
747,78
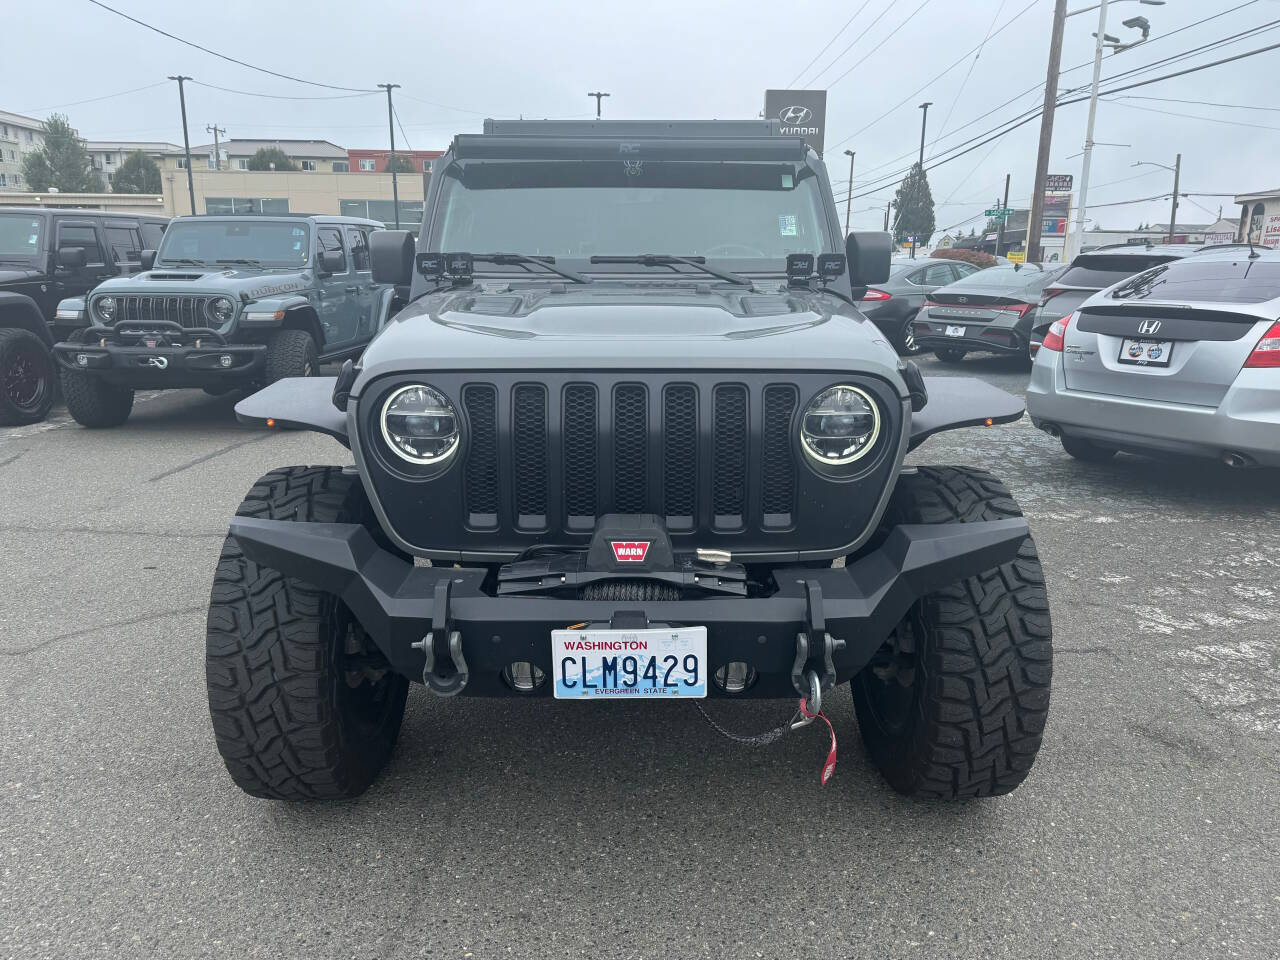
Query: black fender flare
304,317
956,402
18,311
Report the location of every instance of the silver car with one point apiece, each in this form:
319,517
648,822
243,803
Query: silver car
1182,358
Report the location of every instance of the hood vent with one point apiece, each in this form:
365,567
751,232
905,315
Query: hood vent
174,276
495,305
767,306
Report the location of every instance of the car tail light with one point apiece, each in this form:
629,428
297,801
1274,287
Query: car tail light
1050,293
1057,333
1267,352
875,296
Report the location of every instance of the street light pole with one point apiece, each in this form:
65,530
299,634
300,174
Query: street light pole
924,121
848,201
186,142
1088,133
1173,214
391,161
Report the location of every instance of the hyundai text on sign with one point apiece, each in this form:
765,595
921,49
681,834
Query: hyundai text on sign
802,113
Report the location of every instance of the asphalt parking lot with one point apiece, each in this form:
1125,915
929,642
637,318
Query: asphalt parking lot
1148,828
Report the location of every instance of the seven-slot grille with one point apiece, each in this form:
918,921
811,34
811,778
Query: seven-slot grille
186,310
715,456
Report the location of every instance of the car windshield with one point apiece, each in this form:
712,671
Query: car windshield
742,216
272,243
1098,272
1013,277
19,235
1216,281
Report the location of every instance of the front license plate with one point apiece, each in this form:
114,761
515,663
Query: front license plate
955,331
652,664
1146,353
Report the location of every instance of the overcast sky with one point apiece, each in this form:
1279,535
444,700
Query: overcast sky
661,59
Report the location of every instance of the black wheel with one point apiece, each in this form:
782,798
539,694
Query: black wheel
1087,450
27,378
907,345
950,354
955,702
304,705
290,353
94,402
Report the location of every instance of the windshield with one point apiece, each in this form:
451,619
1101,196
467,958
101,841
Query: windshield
742,215
19,235
272,243
1217,281
1099,272
1009,277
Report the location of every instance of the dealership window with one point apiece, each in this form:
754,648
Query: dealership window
309,166
341,166
368,166
222,206
384,210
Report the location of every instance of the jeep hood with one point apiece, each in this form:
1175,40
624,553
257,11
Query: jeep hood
236,283
10,273
630,326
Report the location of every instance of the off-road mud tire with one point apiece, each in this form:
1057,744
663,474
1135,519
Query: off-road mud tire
93,402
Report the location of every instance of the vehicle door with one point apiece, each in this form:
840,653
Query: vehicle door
363,289
339,305
83,233
124,243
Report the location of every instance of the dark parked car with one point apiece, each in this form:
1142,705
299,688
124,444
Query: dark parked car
989,312
892,305
632,466
46,255
1093,271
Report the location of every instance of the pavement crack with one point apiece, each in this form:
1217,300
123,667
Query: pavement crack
8,460
205,458
85,631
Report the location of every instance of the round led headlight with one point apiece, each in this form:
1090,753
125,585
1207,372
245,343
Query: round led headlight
105,308
420,425
222,309
840,425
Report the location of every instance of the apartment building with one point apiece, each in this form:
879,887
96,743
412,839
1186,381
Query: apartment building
19,136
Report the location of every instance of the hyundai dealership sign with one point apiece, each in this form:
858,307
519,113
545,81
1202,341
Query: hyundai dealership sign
802,113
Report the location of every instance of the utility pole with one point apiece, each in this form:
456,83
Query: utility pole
888,206
391,162
186,141
599,96
217,153
1088,130
1173,216
924,120
848,201
1035,216
1003,206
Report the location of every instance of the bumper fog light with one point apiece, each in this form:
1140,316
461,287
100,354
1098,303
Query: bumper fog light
735,677
225,360
523,676
82,359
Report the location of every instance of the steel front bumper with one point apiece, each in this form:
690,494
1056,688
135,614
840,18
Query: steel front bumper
401,604
1247,421
202,363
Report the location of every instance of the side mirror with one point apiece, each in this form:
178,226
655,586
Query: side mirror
73,258
332,261
869,255
391,252
148,259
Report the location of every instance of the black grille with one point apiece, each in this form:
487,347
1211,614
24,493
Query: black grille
580,466
729,457
187,311
630,448
529,432
778,467
680,454
481,405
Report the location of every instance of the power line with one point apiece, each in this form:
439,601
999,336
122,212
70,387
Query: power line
109,96
395,113
281,96
1192,116
911,16
222,56
1204,103
447,106
833,39
973,63
849,46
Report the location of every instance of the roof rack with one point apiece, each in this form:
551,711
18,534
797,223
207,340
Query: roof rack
636,129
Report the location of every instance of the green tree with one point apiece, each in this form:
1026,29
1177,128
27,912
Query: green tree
914,202
267,156
399,164
137,174
62,162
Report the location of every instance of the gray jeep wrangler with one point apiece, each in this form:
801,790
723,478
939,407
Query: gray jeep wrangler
630,439
225,302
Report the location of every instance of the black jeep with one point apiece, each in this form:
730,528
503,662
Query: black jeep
631,438
46,255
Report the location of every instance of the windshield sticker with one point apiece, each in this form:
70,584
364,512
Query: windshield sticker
788,181
787,225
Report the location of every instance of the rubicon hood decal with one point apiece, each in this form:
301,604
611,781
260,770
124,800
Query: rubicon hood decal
630,551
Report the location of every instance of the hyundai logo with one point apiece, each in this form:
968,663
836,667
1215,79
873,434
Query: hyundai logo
1149,327
793,116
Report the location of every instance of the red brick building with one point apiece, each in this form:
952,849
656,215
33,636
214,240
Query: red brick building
375,161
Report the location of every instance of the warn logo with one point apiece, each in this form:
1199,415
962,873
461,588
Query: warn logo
630,551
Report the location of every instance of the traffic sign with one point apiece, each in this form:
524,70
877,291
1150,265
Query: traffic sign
1003,214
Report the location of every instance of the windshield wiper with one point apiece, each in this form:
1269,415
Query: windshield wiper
522,259
246,261
184,262
670,260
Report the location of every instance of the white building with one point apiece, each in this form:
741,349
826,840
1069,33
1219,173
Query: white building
109,154
19,136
